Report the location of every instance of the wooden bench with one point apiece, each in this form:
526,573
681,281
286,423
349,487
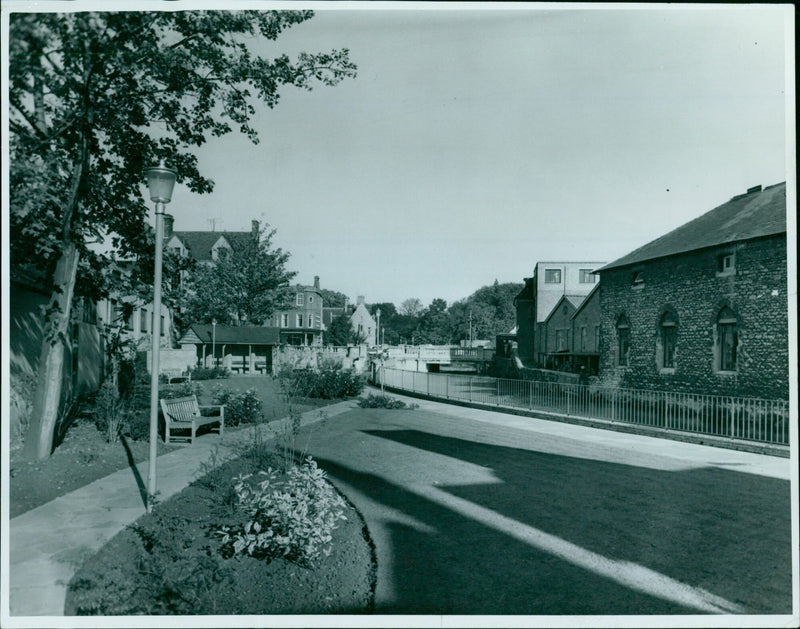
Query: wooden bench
184,413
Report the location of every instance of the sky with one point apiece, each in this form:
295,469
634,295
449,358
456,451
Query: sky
476,141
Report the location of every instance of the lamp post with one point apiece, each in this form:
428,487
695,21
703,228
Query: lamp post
213,343
378,335
160,181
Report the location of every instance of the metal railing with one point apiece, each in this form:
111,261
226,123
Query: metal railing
752,419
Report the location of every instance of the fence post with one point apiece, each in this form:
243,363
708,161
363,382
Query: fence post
497,394
447,386
569,397
470,388
428,384
733,419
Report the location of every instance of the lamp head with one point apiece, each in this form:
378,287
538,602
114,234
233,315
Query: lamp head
160,182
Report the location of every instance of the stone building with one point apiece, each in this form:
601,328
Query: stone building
703,308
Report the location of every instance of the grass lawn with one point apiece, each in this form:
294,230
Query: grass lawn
84,455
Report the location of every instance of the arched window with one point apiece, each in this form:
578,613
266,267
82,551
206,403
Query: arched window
668,331
727,339
623,340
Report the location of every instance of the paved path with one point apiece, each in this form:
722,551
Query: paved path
47,544
479,512
476,511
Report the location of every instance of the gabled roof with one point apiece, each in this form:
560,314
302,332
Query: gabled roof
231,335
586,300
572,300
199,243
754,214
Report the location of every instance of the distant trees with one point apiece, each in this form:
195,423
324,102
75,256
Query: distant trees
340,332
489,311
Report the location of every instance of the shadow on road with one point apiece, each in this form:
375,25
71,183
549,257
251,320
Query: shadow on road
722,531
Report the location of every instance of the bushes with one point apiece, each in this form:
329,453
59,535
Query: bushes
294,519
241,408
112,413
384,401
215,373
327,383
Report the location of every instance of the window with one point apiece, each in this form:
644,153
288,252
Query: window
142,320
311,299
726,264
552,276
299,300
285,320
561,340
162,325
623,341
597,338
668,335
638,279
585,276
299,321
583,338
727,340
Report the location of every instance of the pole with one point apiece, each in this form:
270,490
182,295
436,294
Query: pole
151,482
213,343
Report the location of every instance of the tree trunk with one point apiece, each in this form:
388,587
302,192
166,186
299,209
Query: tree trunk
47,400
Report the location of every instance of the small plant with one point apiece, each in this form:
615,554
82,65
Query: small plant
241,408
293,519
184,389
112,413
384,401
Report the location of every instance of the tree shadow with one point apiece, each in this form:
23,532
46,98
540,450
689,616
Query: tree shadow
726,532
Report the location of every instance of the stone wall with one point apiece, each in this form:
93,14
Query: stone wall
693,288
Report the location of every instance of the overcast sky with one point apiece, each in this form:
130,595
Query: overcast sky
474,143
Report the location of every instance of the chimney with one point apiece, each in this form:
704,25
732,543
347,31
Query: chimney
316,282
169,222
254,228
754,189
360,300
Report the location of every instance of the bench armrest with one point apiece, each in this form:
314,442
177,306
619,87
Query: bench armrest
219,407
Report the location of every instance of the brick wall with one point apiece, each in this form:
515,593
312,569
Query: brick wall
560,321
589,318
691,286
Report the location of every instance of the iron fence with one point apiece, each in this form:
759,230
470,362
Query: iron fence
752,419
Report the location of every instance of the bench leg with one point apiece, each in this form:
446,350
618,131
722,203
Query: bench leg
166,430
194,430
221,427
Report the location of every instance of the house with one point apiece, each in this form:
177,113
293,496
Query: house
535,302
241,349
302,324
556,334
205,246
362,322
703,308
586,334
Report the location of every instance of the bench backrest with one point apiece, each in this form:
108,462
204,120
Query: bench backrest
181,409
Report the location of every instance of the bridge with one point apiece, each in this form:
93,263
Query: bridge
435,357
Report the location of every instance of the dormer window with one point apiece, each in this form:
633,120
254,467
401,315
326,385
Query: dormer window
299,300
726,264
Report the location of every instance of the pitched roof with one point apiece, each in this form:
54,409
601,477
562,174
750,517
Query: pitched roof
199,243
526,294
754,214
586,300
232,335
573,300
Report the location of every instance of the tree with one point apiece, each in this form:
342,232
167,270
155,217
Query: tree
411,307
245,285
435,324
332,298
492,312
96,97
341,333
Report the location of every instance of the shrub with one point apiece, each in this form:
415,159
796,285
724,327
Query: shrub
215,373
241,408
335,382
384,401
184,389
112,413
294,519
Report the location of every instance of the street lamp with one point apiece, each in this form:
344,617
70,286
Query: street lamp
213,343
160,181
378,335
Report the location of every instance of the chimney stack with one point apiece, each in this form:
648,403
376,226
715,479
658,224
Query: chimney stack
316,282
169,222
360,300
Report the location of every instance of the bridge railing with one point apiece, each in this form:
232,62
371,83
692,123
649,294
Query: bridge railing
751,419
